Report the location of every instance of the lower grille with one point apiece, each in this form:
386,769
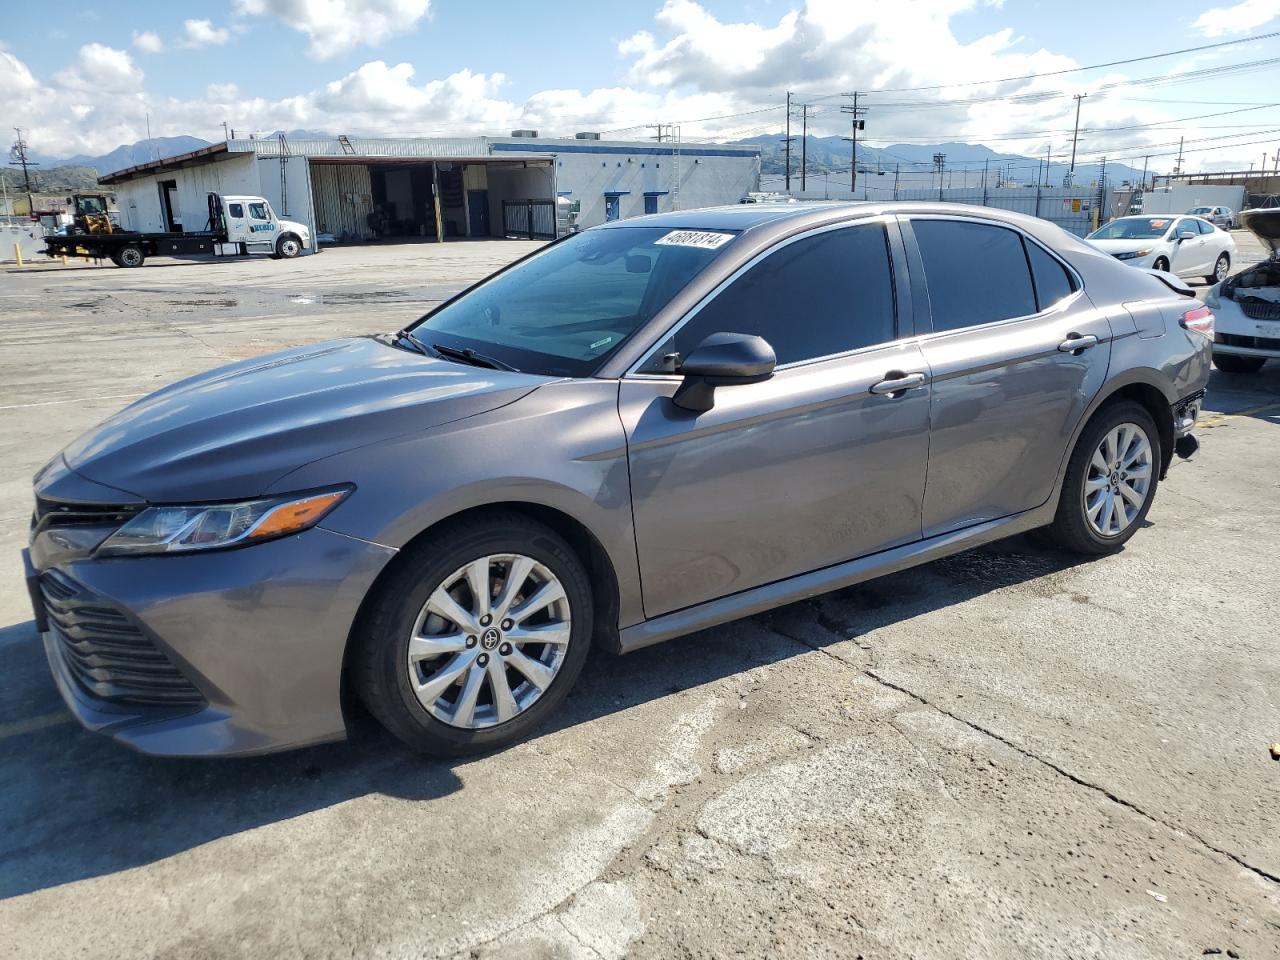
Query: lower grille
106,653
1255,343
1259,309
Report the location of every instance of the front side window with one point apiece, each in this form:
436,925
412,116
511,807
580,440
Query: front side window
976,273
562,312
820,295
258,211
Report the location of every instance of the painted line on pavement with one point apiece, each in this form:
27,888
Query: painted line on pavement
19,727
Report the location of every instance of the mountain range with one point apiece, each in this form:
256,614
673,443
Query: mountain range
823,155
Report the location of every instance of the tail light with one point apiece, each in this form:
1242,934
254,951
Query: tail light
1199,320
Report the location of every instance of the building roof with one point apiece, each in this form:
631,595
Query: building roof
473,149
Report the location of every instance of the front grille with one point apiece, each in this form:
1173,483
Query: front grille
1255,343
106,653
1259,309
58,513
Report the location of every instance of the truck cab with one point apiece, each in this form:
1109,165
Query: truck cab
251,221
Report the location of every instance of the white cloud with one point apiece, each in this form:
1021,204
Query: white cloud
1237,18
688,65
336,26
147,42
202,33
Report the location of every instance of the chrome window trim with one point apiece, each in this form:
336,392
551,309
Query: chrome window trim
882,219
1058,307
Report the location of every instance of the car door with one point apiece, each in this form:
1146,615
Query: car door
809,468
1189,255
1015,351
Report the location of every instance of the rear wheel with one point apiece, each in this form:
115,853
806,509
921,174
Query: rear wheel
477,638
130,256
1111,480
1230,363
1220,269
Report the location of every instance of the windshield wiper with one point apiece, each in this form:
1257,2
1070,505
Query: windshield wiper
406,338
467,355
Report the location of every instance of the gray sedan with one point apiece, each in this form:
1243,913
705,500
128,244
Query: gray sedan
639,431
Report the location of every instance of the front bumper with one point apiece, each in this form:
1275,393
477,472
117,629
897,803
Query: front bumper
256,635
1243,336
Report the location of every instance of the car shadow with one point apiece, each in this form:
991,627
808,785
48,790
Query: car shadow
77,805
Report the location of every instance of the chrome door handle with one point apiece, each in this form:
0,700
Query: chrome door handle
1074,344
898,382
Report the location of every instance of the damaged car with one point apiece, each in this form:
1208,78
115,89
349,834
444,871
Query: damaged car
1247,306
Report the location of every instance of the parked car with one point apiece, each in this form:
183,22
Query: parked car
642,430
1219,216
1185,246
1247,305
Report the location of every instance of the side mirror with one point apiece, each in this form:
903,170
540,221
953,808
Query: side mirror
722,360
1187,235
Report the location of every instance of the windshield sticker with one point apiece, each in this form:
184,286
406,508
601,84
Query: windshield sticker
694,238
1159,223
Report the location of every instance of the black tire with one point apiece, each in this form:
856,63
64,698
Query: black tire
130,256
1231,363
115,258
1161,264
288,246
1071,528
1221,265
378,664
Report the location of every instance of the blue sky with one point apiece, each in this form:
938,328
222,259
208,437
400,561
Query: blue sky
85,78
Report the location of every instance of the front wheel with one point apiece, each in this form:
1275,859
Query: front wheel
1110,482
1161,264
1220,269
288,247
1231,363
477,638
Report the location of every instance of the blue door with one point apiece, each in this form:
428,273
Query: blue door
650,203
611,208
478,212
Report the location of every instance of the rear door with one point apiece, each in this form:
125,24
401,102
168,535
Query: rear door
807,469
1015,351
237,222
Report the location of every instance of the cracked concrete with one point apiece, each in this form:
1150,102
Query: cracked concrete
1005,754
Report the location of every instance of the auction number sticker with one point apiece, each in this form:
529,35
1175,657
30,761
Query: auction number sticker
694,238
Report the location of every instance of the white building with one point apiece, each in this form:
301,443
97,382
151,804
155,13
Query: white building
362,189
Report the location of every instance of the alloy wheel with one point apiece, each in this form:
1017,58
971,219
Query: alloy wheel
1221,269
1118,480
489,641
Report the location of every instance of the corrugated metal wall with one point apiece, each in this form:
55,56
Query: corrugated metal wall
343,197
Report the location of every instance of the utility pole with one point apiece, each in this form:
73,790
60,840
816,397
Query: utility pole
804,143
1145,161
659,128
1048,160
226,131
897,172
1277,160
786,142
1075,136
1177,166
940,165
856,114
19,151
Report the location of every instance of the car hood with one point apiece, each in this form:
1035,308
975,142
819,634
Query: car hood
230,433
1123,246
1265,225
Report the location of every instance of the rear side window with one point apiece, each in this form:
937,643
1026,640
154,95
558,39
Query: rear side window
824,294
1053,283
975,273
1205,226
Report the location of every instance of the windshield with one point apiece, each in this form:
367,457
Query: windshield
563,311
1133,228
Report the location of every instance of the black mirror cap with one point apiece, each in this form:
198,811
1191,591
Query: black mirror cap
722,360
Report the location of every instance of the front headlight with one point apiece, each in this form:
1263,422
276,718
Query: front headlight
212,526
1134,255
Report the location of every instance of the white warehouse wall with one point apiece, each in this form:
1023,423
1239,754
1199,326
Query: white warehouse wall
139,200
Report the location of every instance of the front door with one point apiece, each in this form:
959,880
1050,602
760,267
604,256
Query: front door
805,470
1008,388
1190,256
478,212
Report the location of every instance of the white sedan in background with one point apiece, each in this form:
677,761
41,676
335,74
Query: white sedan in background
1186,246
